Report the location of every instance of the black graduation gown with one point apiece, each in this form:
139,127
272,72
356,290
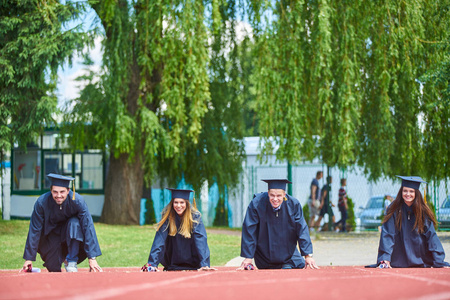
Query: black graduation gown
51,220
407,248
271,237
180,253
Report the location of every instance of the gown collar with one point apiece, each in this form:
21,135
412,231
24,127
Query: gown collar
277,208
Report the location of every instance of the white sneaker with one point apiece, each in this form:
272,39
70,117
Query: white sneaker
71,266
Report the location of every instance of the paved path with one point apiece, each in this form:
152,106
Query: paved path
349,249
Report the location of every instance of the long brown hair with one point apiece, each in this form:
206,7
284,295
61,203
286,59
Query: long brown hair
187,221
419,207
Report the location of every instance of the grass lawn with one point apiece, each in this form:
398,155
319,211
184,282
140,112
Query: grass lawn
122,246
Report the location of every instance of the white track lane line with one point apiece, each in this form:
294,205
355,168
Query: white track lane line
246,282
440,296
427,280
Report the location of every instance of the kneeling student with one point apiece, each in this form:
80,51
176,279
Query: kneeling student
180,242
408,238
273,227
61,230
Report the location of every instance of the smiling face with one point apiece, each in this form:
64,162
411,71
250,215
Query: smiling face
408,195
276,197
59,194
179,205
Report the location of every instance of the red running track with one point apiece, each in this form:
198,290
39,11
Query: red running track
227,283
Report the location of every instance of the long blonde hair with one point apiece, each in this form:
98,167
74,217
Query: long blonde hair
187,221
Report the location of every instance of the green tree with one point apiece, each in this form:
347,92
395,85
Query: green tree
436,95
340,80
152,107
36,39
152,94
280,66
218,153
393,138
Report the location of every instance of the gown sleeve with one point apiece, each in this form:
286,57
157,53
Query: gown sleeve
158,246
34,232
201,243
435,247
249,232
91,245
304,240
387,240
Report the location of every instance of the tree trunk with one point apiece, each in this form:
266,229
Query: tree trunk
125,178
123,190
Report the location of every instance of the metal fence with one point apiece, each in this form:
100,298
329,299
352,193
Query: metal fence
359,188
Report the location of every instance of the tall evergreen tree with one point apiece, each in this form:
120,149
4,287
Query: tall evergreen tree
35,41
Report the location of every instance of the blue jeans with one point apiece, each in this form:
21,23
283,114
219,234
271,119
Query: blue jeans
343,219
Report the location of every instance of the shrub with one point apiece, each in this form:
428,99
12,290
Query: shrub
150,216
351,223
221,218
306,212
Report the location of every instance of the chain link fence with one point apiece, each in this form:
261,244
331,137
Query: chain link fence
359,188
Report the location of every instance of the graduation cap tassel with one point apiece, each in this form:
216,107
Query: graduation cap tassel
73,188
195,204
425,194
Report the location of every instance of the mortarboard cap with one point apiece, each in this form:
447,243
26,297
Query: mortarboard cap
277,183
60,180
412,182
178,193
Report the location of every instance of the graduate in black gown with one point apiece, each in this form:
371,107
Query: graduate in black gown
272,228
180,242
408,237
61,230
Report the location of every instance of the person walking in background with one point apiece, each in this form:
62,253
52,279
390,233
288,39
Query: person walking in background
325,203
272,229
386,202
180,242
61,230
343,205
314,200
408,236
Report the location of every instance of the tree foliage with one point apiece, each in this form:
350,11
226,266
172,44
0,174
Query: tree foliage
351,82
33,45
342,77
436,96
217,153
152,107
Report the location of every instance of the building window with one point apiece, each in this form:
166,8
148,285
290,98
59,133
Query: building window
26,170
92,171
29,174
